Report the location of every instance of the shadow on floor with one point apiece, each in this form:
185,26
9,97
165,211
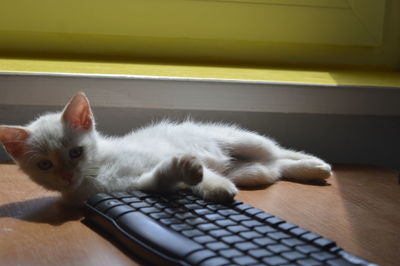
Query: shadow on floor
41,210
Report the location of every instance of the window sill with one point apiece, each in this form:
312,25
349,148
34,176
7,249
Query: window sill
191,87
336,77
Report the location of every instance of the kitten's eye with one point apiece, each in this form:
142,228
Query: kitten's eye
45,165
75,152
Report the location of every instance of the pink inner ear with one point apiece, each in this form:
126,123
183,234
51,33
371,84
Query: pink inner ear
14,140
77,113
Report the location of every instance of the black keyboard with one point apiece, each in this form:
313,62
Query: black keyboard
182,229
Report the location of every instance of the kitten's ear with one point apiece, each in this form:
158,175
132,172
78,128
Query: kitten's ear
77,113
14,140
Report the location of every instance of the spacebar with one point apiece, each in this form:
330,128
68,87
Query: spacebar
156,236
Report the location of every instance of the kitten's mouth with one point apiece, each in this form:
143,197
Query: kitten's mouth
68,177
69,184
73,183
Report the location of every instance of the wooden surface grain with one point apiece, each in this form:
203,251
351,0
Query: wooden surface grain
359,208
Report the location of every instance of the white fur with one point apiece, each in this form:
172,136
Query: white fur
209,158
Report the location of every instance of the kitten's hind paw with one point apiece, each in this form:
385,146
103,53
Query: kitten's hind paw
306,170
318,170
191,169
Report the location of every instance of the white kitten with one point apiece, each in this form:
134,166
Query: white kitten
64,152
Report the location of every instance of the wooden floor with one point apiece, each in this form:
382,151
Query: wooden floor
359,208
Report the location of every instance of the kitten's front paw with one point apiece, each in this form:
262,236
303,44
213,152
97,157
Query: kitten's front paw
218,191
191,169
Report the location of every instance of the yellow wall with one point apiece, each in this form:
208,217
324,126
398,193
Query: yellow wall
267,32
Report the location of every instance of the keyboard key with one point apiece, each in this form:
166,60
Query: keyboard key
140,204
219,233
227,212
214,217
274,221
237,228
192,197
335,249
251,223
184,215
216,207
230,253
278,248
204,239
286,226
139,194
278,235
202,212
201,202
250,235
217,246
306,249
225,223
239,217
264,241
149,210
264,229
322,256
117,211
159,215
151,200
169,221
195,221
263,216
232,239
291,242
259,253
235,203
192,233
292,255
181,227
183,202
207,227
243,207
244,260
245,246
253,211
174,210
275,260
193,206
298,231
130,200
324,242
308,262
160,205
108,204
338,262
93,200
310,236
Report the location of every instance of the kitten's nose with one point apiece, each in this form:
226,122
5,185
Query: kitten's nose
67,176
